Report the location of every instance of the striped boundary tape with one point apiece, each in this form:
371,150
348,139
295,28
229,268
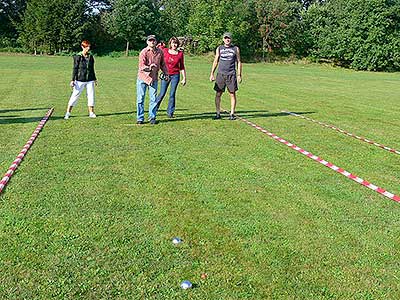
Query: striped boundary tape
344,132
24,150
324,162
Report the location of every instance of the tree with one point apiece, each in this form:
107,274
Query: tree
175,17
307,3
362,35
52,25
209,20
97,6
10,11
133,20
280,26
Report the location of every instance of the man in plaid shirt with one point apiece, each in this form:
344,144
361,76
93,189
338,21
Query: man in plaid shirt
151,60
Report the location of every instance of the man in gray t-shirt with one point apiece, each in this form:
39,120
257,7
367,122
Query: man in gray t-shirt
226,57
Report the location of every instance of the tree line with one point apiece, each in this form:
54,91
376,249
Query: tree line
361,34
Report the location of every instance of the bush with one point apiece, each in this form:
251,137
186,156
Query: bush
115,54
65,53
133,52
6,42
121,53
362,35
13,50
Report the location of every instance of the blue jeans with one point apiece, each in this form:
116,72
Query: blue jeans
141,88
174,80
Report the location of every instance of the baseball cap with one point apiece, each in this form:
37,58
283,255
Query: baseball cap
151,37
227,34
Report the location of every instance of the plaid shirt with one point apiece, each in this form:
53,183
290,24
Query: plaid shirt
147,57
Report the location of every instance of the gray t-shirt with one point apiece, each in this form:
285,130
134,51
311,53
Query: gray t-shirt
227,60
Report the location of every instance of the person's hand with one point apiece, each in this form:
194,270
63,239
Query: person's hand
239,78
164,76
183,82
72,83
212,78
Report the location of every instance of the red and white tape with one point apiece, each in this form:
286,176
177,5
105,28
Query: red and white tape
24,150
324,162
344,132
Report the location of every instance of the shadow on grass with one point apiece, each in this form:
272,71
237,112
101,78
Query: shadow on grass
114,114
2,111
243,113
79,116
198,116
133,112
14,120
9,119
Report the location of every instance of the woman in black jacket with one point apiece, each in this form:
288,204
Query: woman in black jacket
83,75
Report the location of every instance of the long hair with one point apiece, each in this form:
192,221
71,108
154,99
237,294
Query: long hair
173,39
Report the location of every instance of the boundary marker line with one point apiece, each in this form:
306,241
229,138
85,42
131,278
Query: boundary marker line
24,150
344,132
323,162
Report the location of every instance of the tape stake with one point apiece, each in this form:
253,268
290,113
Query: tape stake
323,162
344,132
21,155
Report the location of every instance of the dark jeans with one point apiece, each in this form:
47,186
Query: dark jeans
174,81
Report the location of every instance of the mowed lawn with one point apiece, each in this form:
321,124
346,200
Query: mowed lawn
91,211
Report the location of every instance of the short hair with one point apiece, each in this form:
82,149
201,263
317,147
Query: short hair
85,43
173,39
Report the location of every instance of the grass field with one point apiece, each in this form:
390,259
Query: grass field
92,209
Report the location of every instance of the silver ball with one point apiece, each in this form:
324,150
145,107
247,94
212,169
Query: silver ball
186,284
176,240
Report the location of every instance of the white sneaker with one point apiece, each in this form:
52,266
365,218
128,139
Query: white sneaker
92,115
67,114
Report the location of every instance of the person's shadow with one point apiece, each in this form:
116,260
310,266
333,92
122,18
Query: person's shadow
242,113
14,119
2,111
179,117
114,113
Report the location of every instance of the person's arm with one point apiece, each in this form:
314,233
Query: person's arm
94,73
215,64
74,70
183,71
163,65
239,64
142,62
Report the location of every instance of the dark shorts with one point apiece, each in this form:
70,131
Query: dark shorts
228,81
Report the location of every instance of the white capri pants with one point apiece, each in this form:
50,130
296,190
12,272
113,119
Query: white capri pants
78,89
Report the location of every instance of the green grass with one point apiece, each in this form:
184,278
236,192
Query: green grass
91,211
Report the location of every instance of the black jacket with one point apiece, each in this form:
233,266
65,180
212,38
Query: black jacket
83,69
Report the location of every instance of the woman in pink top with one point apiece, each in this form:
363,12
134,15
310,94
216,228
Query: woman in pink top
175,64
